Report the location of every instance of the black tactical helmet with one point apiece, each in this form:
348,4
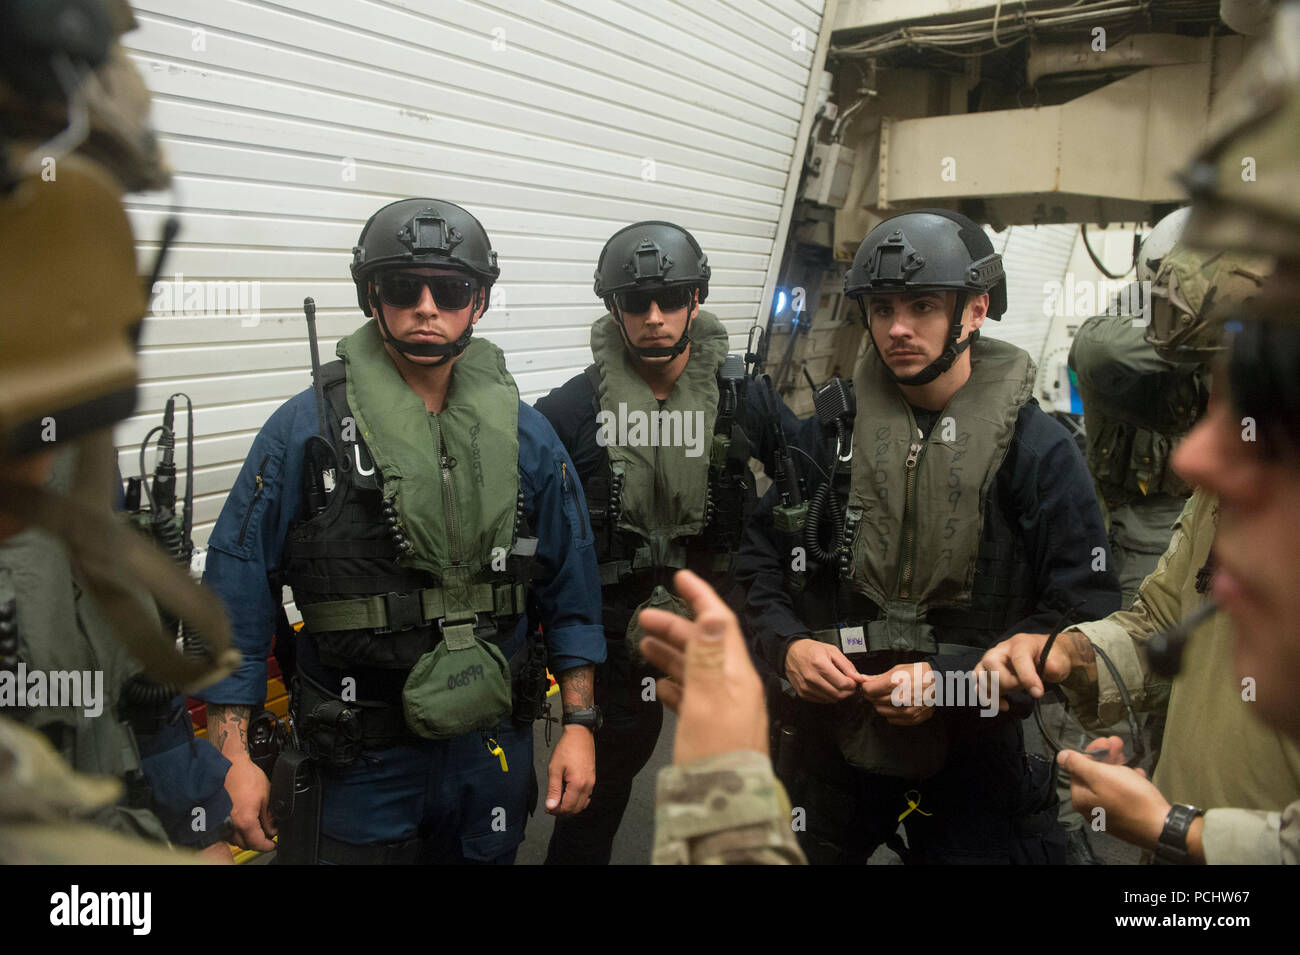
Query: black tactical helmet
930,250
646,256
422,233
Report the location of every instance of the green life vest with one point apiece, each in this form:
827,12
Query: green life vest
919,507
921,501
664,486
451,482
1136,406
436,468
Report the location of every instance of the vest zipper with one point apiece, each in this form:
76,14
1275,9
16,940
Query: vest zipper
908,568
564,474
257,492
448,492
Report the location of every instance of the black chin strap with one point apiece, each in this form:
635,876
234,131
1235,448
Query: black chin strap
444,352
658,351
950,352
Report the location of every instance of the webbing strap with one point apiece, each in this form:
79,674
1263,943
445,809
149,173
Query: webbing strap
342,584
614,571
337,549
373,613
848,639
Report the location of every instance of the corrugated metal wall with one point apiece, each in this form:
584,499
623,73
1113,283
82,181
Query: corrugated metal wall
1032,256
555,123
1036,255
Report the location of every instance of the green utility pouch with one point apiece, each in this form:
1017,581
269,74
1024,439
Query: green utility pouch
461,685
660,599
869,742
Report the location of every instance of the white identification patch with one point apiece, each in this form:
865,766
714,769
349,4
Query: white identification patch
853,640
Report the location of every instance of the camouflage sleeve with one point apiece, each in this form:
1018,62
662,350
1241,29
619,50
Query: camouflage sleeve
1123,635
723,810
1252,837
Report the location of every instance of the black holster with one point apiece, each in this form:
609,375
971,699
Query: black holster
787,738
531,683
296,807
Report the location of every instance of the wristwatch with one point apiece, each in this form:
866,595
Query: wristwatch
1172,846
591,717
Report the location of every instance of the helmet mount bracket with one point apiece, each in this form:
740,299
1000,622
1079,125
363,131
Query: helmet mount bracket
427,232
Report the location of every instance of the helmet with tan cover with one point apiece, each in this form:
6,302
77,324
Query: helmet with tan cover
74,133
67,343
1245,179
1193,294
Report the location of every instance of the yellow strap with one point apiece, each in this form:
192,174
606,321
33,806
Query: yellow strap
495,749
913,803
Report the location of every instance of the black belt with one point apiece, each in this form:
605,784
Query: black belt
380,725
335,852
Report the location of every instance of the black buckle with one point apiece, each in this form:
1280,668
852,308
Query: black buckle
404,612
482,624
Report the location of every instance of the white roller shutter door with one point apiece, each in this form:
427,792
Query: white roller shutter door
289,123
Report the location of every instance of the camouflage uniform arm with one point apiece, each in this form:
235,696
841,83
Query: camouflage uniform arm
1123,635
723,810
1252,837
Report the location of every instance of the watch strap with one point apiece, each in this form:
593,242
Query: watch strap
1172,845
591,717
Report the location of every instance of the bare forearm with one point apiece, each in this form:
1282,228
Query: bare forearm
228,728
577,689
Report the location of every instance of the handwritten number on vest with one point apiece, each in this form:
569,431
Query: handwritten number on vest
464,677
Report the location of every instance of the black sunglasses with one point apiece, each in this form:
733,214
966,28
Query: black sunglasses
670,299
403,289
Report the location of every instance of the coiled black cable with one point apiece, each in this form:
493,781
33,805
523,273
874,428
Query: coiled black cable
826,503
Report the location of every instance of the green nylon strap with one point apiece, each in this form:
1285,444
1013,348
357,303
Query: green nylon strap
371,613
459,636
612,571
458,596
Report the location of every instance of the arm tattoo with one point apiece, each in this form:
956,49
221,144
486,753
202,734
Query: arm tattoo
226,721
1083,648
576,688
